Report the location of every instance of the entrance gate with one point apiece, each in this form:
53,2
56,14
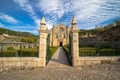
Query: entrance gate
74,42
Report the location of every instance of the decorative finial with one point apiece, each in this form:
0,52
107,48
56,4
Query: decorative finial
43,22
74,20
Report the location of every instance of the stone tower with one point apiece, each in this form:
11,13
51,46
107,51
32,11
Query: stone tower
74,43
43,42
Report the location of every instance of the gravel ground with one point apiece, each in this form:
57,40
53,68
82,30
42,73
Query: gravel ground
94,72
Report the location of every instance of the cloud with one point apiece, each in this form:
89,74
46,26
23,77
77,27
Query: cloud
89,13
53,9
28,8
7,18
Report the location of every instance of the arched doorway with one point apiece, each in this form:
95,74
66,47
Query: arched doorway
61,44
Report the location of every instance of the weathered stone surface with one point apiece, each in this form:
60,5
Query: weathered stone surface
7,63
97,60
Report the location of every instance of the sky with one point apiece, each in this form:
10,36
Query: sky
25,15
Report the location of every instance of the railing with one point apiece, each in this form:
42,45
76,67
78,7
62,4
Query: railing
48,49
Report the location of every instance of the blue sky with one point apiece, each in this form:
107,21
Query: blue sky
25,15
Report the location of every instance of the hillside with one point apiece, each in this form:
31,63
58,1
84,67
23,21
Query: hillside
110,32
16,33
7,35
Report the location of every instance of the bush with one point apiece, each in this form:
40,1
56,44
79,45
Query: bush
107,52
30,52
104,46
87,51
68,53
8,53
10,48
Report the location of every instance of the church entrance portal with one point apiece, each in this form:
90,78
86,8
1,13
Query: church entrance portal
61,44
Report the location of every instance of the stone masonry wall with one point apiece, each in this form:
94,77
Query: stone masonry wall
97,60
7,63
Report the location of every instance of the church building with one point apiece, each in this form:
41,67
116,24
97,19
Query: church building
59,35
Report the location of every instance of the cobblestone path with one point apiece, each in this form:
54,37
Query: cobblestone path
59,59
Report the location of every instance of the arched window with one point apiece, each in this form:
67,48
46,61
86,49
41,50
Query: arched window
64,36
61,29
56,35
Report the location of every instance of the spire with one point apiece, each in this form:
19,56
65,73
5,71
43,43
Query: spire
74,20
43,22
74,23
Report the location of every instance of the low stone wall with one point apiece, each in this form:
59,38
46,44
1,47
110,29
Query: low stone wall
97,60
18,62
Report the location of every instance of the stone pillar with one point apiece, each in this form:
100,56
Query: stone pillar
43,42
74,43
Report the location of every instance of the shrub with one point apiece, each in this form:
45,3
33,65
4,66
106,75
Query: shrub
87,51
104,46
107,52
8,53
68,53
30,52
10,48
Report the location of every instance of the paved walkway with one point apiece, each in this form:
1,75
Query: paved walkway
59,59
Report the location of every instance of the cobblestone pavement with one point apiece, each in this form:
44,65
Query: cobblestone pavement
66,72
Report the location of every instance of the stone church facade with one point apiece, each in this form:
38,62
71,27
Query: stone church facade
59,35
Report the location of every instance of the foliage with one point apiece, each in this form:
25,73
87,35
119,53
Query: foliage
52,50
104,46
29,52
16,33
68,53
8,53
103,51
29,39
87,51
117,22
10,48
83,32
108,52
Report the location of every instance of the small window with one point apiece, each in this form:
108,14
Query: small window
64,36
56,36
61,30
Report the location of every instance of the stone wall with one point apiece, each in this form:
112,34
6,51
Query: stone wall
97,60
7,63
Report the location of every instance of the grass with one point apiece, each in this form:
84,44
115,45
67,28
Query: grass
51,52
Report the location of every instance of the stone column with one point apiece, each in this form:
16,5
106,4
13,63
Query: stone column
74,43
43,42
